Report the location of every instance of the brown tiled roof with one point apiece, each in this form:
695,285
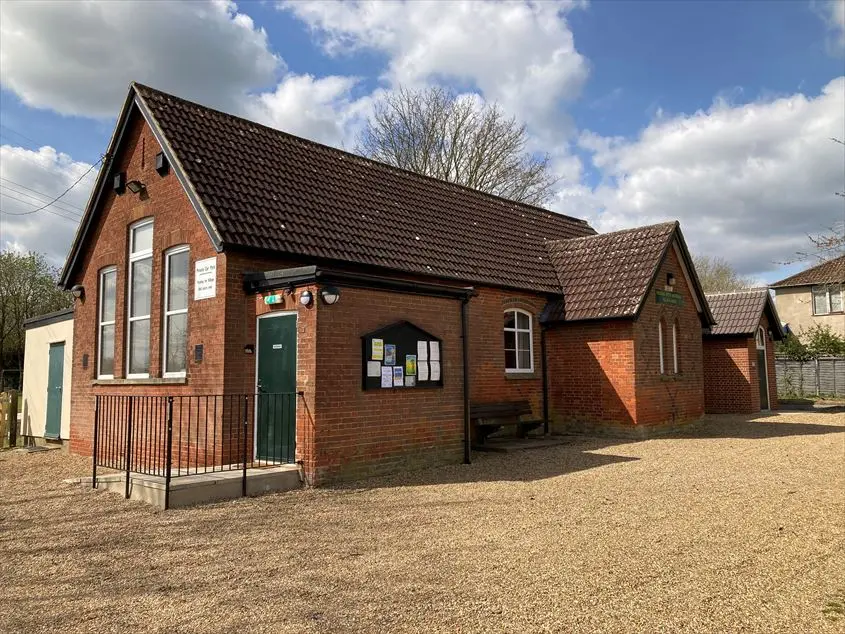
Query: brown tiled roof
828,272
607,275
737,313
266,189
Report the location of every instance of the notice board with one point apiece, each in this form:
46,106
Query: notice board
401,356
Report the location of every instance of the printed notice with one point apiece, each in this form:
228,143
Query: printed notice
411,364
435,370
378,349
390,354
422,370
373,369
435,351
205,278
410,381
387,376
422,350
398,376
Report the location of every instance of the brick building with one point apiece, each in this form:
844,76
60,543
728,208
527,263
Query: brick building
739,353
221,257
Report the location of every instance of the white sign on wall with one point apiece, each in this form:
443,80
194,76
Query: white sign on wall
205,278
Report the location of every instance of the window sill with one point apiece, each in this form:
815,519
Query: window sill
150,381
671,377
519,376
835,312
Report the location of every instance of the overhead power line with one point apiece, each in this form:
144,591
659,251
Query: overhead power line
59,197
21,135
17,187
26,202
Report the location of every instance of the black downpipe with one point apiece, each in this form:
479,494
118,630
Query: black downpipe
545,380
465,338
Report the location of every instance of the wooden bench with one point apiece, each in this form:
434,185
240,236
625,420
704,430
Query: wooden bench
490,417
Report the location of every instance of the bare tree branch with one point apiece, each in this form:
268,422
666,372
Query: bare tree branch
436,133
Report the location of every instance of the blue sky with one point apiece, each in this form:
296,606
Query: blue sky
718,114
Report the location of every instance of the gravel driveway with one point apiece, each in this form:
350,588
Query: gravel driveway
738,526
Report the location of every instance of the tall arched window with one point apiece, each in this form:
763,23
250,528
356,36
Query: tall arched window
660,346
761,338
519,353
675,366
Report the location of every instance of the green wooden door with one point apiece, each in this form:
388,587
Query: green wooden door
55,378
275,425
763,379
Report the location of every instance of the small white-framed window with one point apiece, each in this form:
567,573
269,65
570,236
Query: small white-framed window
519,341
660,346
761,338
140,280
175,330
107,310
675,347
827,299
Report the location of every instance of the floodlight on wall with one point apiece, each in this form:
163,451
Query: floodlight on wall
136,187
305,298
78,291
330,295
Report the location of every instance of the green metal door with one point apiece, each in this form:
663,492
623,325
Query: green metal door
763,379
275,426
55,378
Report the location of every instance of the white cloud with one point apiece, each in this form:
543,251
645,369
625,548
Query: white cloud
30,179
321,109
747,182
519,54
78,58
833,13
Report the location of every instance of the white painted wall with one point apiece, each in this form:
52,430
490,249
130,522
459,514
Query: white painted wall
35,367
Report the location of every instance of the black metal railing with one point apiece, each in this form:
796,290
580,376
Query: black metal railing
178,436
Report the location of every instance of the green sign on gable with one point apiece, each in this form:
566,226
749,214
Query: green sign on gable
669,297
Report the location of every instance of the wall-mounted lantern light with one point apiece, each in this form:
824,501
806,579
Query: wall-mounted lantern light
670,279
249,349
78,291
119,182
162,164
136,187
305,298
330,295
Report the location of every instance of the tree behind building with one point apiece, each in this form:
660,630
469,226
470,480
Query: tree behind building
457,139
27,289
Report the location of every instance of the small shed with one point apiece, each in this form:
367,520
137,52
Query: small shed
739,356
47,376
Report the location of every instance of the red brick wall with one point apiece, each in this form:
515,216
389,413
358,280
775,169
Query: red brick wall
728,384
362,432
489,382
731,374
591,375
669,398
175,223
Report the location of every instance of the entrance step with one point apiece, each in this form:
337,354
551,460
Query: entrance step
203,488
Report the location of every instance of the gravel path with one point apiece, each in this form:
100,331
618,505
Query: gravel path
736,527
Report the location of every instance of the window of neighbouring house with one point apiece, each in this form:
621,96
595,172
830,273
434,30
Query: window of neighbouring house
175,331
106,321
138,306
827,299
519,353
660,346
